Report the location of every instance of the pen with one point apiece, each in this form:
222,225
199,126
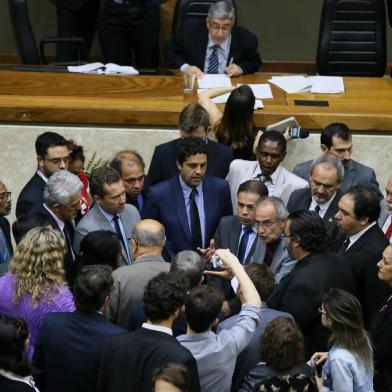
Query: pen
231,61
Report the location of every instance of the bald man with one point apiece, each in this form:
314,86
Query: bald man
147,242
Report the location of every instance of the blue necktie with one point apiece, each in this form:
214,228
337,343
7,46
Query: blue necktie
213,61
120,236
243,244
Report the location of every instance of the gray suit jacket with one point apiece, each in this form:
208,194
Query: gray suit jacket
94,220
284,184
354,174
383,214
129,284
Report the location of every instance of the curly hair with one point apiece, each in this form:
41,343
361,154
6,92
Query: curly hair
38,265
282,344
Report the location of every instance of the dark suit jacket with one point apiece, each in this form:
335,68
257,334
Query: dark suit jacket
129,360
5,227
8,385
73,5
363,256
166,204
134,201
301,200
301,293
190,44
68,351
354,174
31,195
163,163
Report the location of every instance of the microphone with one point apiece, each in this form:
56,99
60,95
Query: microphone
298,133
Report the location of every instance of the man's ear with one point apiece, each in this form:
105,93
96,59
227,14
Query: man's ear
40,161
324,149
96,198
56,207
215,322
179,165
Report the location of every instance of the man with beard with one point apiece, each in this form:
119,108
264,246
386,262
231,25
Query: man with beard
5,238
326,175
315,271
52,155
385,220
336,140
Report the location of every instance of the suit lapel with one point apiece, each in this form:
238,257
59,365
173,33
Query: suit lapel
235,47
257,252
349,175
179,208
329,216
234,234
202,49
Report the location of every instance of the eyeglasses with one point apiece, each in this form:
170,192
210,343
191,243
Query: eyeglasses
216,27
57,161
5,196
322,311
267,223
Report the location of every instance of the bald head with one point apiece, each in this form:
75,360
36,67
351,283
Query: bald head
148,237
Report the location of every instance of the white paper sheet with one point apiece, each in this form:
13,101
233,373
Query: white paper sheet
292,84
327,84
222,99
212,81
261,91
107,69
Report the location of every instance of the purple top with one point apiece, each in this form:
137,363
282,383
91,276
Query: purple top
62,302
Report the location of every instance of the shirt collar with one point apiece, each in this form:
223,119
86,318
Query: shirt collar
224,45
107,215
187,189
358,235
12,376
39,173
254,230
59,221
273,177
158,328
324,206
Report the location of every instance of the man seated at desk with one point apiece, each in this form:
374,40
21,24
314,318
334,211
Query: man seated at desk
217,47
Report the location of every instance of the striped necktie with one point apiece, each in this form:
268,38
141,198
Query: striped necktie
213,61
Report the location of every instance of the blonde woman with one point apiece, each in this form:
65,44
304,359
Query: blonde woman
35,284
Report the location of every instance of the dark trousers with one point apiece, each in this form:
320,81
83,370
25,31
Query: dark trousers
128,34
80,23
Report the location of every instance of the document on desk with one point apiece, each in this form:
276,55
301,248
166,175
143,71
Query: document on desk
261,91
222,99
214,80
106,69
327,84
292,84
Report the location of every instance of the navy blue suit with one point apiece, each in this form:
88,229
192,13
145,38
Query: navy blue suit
68,351
31,195
165,203
163,162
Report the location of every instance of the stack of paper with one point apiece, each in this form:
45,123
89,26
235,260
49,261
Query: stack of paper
261,91
107,69
327,84
291,84
214,80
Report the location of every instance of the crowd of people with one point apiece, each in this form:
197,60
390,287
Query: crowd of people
292,287
218,270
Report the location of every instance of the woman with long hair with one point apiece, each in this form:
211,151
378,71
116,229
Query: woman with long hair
348,366
234,127
15,369
35,284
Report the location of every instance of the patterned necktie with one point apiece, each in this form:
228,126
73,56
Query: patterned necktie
213,61
119,235
388,233
195,221
345,245
317,209
243,244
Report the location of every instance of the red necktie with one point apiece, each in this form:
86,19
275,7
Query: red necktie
388,233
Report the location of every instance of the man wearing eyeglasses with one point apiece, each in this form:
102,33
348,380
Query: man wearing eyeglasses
5,238
52,155
217,48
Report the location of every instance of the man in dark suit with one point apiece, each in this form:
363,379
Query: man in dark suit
68,349
326,175
315,271
130,165
189,205
75,18
6,249
130,360
61,204
336,139
357,217
52,155
193,121
217,47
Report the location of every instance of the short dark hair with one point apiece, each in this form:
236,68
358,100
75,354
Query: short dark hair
203,306
76,151
164,295
273,136
336,129
102,176
26,222
92,285
190,264
192,117
308,229
253,186
190,146
282,344
175,374
48,140
99,247
366,204
13,335
262,278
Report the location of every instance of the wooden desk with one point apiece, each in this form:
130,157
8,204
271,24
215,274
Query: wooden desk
158,100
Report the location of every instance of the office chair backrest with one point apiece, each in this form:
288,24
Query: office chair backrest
192,12
352,38
23,33
288,383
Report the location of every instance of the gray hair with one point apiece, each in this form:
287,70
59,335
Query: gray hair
280,209
61,186
191,264
149,238
222,10
331,162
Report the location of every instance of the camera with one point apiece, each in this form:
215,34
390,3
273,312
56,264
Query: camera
216,261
